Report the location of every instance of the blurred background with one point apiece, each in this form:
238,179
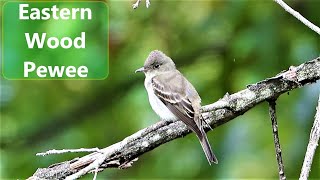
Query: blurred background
220,46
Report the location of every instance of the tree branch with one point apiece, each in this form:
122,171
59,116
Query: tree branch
298,16
122,154
273,117
312,145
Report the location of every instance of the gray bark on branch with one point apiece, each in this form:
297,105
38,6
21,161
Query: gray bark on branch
124,153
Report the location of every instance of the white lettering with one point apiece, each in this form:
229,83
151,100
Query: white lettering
74,13
64,13
22,11
83,71
82,40
35,14
54,10
70,71
89,13
36,38
27,69
54,13
46,14
63,43
54,71
55,42
40,70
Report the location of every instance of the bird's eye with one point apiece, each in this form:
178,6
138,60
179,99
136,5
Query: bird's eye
156,66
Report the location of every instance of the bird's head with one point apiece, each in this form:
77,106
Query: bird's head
157,63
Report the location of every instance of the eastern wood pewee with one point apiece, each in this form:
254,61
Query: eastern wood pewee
173,97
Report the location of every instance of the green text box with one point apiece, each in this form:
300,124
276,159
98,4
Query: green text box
93,54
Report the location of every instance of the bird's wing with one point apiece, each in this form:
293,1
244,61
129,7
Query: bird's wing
184,103
170,89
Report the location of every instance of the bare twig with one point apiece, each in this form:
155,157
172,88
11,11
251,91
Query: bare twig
54,151
298,16
136,4
273,117
312,145
148,3
124,153
95,173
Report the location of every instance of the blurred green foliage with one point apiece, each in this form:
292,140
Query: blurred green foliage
220,46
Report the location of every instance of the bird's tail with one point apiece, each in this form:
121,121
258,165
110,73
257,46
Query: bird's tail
206,147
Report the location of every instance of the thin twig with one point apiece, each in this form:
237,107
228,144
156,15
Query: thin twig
273,117
95,173
136,4
54,151
312,145
148,3
298,16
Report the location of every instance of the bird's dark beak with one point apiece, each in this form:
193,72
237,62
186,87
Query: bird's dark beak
140,70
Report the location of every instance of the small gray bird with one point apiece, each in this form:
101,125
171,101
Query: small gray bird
173,97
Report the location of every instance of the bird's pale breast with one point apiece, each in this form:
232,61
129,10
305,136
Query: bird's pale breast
157,105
